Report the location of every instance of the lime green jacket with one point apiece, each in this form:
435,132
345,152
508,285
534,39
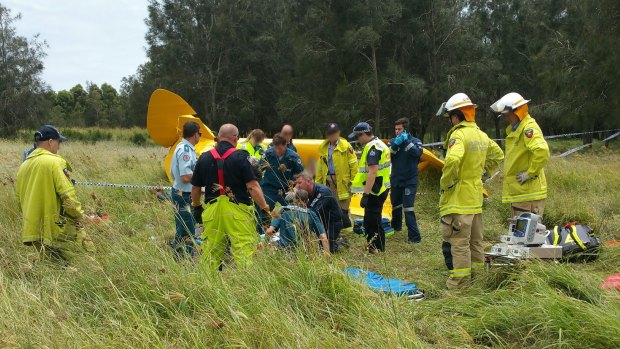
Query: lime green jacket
470,152
345,164
526,151
256,152
47,199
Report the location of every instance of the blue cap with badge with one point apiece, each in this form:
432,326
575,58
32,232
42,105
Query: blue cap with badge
361,127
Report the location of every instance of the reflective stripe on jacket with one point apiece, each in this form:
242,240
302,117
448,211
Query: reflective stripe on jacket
469,152
345,164
383,171
254,152
526,151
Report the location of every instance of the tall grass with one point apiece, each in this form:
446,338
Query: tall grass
132,293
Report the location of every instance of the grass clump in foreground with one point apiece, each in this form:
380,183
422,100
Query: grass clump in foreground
133,294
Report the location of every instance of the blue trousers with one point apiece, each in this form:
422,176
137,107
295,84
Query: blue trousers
272,196
403,198
184,222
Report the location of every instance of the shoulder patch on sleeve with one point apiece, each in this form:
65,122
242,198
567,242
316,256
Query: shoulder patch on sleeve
351,150
451,143
186,157
529,133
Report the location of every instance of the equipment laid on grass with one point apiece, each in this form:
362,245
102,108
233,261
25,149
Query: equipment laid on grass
383,285
576,241
527,238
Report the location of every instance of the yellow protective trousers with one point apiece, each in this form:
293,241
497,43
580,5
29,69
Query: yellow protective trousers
223,221
462,247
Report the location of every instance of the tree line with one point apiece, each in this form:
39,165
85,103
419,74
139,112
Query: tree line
261,63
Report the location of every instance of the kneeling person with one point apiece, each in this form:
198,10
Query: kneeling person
325,204
296,219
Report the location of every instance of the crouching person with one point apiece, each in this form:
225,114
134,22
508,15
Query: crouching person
53,216
296,222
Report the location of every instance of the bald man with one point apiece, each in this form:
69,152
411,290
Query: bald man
231,189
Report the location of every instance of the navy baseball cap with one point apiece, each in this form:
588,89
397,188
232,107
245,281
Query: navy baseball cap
361,127
331,128
48,132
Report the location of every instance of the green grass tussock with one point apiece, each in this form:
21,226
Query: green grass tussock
133,294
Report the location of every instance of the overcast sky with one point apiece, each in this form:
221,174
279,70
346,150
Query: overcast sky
89,40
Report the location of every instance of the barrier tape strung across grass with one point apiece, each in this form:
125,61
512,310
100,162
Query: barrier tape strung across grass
546,137
576,149
566,153
127,186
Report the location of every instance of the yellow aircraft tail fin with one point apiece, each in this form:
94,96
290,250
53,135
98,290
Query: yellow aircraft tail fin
166,115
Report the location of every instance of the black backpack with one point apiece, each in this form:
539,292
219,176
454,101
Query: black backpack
577,241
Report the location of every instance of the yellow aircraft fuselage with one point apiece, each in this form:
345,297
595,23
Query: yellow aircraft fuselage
168,112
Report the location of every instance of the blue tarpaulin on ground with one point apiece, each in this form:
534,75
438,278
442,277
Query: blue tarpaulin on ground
383,285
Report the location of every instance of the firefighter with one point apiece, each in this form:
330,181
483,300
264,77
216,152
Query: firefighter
53,216
230,188
527,153
373,182
336,168
470,152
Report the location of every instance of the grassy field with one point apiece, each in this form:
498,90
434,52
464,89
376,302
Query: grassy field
132,294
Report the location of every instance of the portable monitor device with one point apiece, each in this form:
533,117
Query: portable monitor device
525,227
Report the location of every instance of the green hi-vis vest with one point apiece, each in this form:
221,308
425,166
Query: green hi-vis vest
383,172
247,146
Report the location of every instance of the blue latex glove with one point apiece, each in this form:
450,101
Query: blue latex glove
405,137
400,138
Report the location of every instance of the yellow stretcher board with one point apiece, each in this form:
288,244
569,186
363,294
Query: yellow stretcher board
168,112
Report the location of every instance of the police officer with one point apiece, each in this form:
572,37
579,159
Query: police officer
527,153
321,199
336,168
181,169
229,186
406,151
253,144
281,166
469,153
373,181
53,216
